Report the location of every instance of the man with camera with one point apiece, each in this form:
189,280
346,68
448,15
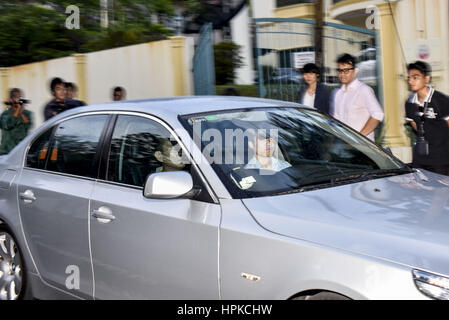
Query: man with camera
427,111
15,121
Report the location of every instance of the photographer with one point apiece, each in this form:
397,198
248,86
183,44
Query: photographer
427,111
15,121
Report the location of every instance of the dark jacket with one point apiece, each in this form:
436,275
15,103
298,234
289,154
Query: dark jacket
14,129
322,97
436,130
54,107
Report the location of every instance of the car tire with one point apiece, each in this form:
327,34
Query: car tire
13,284
323,295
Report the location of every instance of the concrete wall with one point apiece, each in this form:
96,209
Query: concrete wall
427,21
34,80
241,35
149,70
263,8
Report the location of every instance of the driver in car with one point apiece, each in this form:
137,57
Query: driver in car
265,148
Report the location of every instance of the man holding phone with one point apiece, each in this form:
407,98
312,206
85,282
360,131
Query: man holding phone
15,121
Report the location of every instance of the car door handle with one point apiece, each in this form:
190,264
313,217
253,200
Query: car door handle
27,196
103,215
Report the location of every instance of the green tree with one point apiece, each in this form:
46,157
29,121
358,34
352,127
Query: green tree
122,34
34,30
227,60
32,33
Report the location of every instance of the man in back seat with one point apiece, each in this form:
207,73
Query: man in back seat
168,155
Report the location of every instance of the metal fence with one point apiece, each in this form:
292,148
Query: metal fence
284,45
203,63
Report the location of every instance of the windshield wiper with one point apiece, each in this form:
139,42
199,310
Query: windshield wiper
349,178
381,173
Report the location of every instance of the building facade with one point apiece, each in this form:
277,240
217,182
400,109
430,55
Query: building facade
407,30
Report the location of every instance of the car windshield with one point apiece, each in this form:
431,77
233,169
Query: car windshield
269,151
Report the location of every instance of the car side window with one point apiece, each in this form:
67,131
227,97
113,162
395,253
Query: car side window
74,145
140,147
37,155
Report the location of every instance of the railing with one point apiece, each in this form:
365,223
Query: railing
284,45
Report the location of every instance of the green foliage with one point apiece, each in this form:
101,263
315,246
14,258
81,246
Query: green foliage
243,90
34,30
227,60
192,8
32,33
122,34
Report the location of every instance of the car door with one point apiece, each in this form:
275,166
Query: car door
150,248
53,191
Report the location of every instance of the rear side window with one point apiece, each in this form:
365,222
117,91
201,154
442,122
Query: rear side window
140,147
37,155
75,144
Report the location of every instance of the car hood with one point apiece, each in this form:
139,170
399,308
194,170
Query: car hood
2,161
402,219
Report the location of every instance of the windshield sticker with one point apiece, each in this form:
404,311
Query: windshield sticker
212,118
247,182
197,120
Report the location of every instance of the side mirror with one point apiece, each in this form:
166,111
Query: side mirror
168,185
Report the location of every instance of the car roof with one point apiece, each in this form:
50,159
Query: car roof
172,107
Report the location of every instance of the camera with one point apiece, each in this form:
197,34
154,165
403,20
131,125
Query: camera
422,145
21,102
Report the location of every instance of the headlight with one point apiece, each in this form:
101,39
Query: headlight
432,285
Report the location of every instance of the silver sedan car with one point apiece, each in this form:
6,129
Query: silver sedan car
216,198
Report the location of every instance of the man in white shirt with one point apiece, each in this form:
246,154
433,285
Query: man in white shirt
355,103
